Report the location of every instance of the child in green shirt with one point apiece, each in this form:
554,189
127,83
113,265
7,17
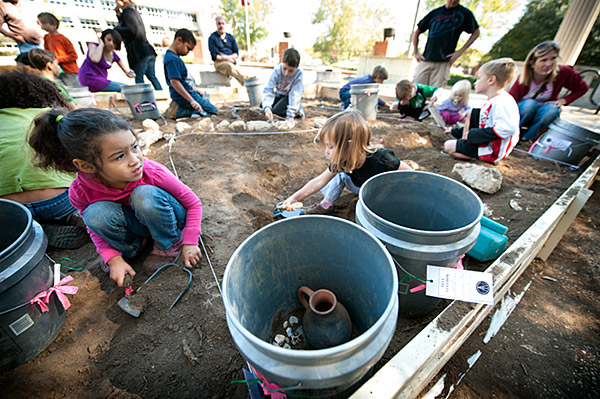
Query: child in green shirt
47,63
411,99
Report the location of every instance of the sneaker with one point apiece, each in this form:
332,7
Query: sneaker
65,237
317,209
170,113
174,252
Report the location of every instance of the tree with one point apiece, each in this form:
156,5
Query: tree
352,26
539,23
234,13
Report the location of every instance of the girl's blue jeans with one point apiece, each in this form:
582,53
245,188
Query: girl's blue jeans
334,188
536,116
154,213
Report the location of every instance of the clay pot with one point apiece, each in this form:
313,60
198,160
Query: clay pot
326,321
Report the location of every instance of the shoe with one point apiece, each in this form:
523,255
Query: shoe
171,112
301,113
173,253
317,209
65,237
424,115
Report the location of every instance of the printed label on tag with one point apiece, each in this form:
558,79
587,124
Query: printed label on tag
462,285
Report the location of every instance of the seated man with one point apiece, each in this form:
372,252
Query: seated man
224,51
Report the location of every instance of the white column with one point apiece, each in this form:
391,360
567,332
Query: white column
575,28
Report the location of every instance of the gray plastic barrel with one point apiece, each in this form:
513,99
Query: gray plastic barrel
82,96
364,99
262,279
423,219
24,273
141,101
254,87
565,142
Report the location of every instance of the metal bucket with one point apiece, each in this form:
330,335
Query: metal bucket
364,98
261,281
254,87
24,273
141,101
423,219
565,142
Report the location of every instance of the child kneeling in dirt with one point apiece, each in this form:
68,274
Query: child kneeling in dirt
124,198
346,138
189,101
283,94
492,131
411,99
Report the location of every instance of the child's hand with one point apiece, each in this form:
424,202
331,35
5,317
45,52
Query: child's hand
118,269
448,132
269,113
191,255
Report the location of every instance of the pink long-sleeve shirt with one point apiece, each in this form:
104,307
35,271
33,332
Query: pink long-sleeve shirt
87,189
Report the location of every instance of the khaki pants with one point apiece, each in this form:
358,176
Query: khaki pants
434,74
228,69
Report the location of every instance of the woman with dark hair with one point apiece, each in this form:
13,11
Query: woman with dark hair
140,53
25,95
536,90
93,73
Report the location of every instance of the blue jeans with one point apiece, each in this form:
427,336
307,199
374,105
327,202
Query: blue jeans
25,47
536,116
113,86
185,110
146,67
345,97
154,213
334,188
57,208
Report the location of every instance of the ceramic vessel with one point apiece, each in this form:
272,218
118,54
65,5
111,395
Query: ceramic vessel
326,321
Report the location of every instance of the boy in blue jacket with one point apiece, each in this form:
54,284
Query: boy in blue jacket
283,94
378,75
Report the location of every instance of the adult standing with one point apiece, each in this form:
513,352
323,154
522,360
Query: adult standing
140,53
224,51
445,25
537,88
27,37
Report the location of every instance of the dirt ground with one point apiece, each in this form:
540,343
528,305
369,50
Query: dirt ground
187,352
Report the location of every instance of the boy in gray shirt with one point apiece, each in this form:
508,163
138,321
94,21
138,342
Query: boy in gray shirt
283,94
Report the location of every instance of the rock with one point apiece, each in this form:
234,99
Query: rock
482,178
284,125
487,211
319,122
150,124
237,125
182,127
147,138
223,126
515,205
258,126
206,125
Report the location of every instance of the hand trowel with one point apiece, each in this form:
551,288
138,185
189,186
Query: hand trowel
125,302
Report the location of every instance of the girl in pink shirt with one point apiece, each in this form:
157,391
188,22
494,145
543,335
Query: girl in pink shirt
123,197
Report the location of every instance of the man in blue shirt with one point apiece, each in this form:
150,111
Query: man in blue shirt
189,101
224,51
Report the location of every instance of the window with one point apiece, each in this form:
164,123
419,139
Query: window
108,5
89,23
84,3
66,22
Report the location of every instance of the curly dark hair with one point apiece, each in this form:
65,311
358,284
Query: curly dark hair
21,87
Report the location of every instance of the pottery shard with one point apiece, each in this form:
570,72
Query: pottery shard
206,125
223,126
182,127
258,126
479,177
150,124
237,125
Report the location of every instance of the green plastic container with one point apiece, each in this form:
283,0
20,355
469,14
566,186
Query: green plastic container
491,241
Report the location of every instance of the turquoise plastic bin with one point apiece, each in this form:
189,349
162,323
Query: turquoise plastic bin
490,242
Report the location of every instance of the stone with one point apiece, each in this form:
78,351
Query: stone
181,127
237,125
150,124
412,164
206,125
223,126
284,125
147,138
482,178
258,126
319,122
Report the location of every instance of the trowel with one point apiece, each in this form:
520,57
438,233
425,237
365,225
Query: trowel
125,302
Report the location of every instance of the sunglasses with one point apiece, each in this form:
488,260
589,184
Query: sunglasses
546,44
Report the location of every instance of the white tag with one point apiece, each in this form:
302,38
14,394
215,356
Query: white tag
555,142
462,285
56,273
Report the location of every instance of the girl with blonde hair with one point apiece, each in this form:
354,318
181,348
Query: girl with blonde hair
456,108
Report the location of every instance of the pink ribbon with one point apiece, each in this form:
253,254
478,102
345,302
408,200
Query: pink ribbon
266,384
44,297
459,265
